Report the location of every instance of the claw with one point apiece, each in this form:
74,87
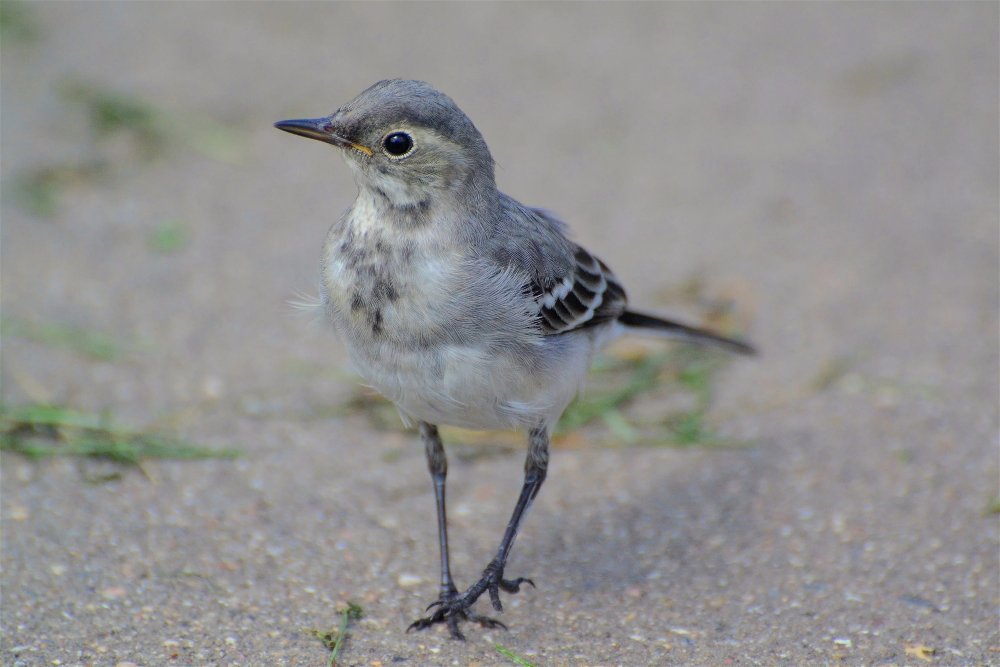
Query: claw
418,624
422,623
514,586
451,615
452,608
487,622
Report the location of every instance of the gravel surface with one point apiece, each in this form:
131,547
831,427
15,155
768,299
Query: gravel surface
831,169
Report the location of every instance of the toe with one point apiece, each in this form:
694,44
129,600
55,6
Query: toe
494,590
487,622
427,621
418,624
514,585
453,629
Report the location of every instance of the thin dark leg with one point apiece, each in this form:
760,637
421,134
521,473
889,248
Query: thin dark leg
457,607
536,466
437,463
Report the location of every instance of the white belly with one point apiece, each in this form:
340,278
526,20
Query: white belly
449,338
479,388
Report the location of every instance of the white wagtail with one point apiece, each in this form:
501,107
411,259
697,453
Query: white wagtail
458,303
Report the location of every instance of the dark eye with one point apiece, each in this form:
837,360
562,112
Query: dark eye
398,144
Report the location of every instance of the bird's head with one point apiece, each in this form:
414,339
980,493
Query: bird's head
406,142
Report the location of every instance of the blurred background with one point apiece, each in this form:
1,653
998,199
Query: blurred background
191,474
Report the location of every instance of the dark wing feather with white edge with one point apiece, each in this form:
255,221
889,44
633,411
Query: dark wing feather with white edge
570,288
586,296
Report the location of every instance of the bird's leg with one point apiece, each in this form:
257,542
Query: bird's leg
437,463
456,608
536,465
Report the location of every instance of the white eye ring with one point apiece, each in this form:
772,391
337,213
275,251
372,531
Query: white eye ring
398,144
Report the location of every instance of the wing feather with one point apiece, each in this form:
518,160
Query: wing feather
589,295
570,288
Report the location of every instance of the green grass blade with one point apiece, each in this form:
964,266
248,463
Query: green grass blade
333,640
513,657
88,343
44,431
588,408
51,415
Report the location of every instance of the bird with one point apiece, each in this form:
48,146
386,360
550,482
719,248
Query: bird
460,304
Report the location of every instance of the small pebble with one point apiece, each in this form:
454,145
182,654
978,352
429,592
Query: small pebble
407,580
212,387
113,592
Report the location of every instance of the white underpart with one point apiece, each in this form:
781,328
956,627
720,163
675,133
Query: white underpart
394,188
504,375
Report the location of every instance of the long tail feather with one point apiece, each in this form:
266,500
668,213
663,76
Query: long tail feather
684,332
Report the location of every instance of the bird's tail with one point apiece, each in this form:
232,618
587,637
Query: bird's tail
684,332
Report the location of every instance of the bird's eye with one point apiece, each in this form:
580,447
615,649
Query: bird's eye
397,144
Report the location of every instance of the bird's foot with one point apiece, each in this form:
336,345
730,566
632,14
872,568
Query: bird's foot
451,611
452,608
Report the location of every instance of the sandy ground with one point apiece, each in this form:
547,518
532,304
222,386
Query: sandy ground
831,169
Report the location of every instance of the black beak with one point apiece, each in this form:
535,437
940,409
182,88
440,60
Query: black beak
320,129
